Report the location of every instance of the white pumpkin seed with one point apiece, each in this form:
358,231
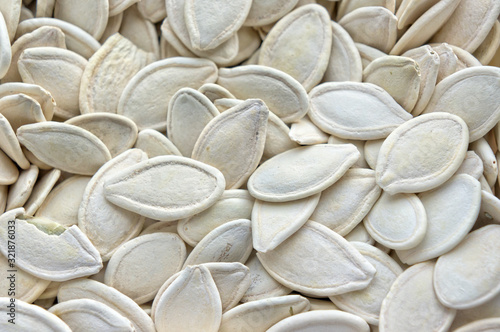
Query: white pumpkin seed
42,96
305,132
5,48
8,170
11,11
439,143
263,12
41,190
155,144
140,31
91,17
20,191
20,109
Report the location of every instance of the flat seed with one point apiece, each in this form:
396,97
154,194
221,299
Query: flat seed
8,170
106,224
343,205
233,204
448,60
488,159
117,7
428,62
33,315
246,124
113,26
326,164
91,315
263,12
486,51
278,138
230,242
306,33
190,303
480,16
20,191
360,234
273,223
374,26
91,17
439,143
332,267
262,314
478,88
254,81
262,285
397,221
189,111
232,281
399,76
368,53
155,144
41,190
140,31
57,70
5,49
322,321
411,304
77,40
144,100
461,280
67,147
411,10
117,57
73,255
42,96
472,165
248,43
425,26
11,11
206,33
214,91
387,272
373,113
10,145
178,187
20,109
63,202
153,10
345,62
42,37
162,254
117,132
94,290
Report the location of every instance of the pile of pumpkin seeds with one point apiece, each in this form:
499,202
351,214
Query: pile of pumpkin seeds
249,165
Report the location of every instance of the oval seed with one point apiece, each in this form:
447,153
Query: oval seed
117,132
349,6
321,321
153,10
480,16
478,90
278,139
117,57
73,255
20,191
399,76
448,60
113,26
140,31
368,53
155,144
117,7
33,315
425,26
94,290
246,124
412,305
262,314
190,303
472,165
64,146
42,188
263,12
10,144
273,223
214,91
410,10
366,303
77,39
5,47
20,109
461,280
397,221
233,204
161,254
8,170
343,205
42,96
189,111
306,34
254,81
304,132
62,203
318,261
91,315
439,143
374,26
206,34
173,187
91,17
106,224
326,164
262,285
57,70
345,62
230,242
11,11
486,51
144,95
373,112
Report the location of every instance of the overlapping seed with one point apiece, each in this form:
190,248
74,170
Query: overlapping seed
249,165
